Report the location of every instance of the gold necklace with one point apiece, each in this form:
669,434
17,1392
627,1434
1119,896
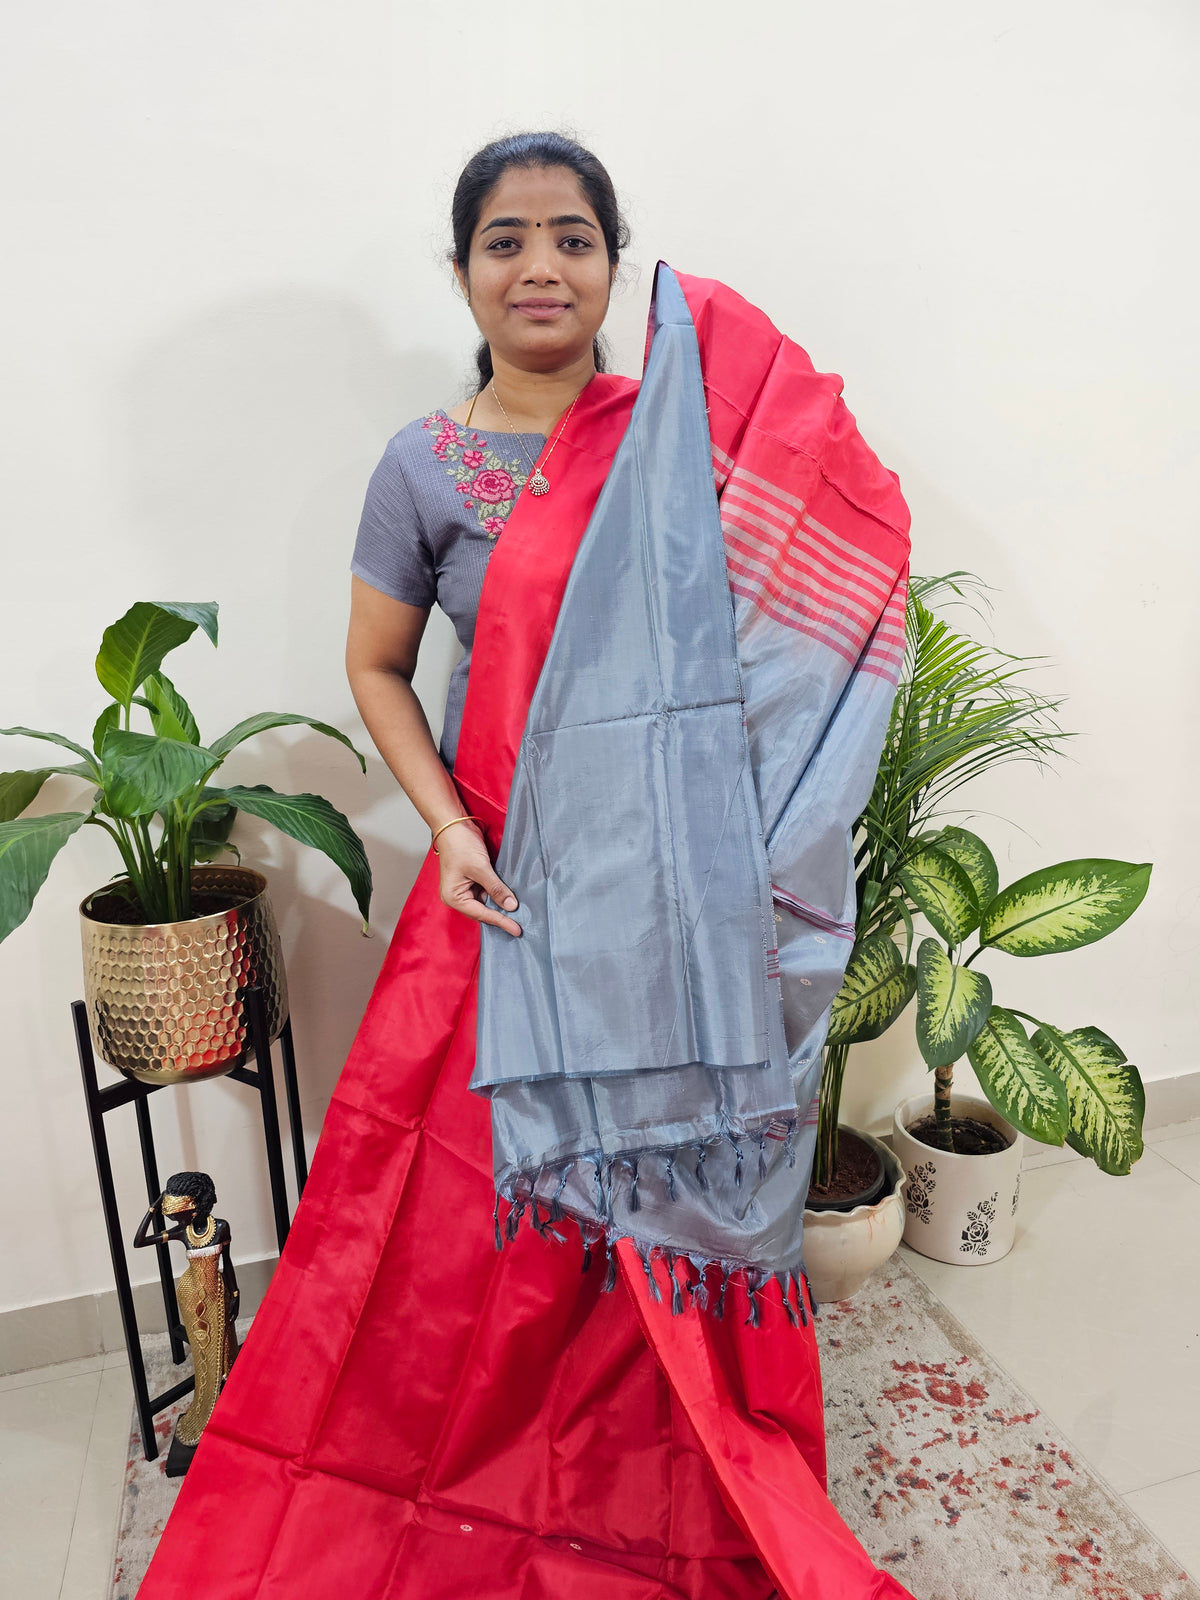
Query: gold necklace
195,1238
537,483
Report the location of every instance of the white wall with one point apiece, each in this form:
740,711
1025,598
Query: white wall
224,290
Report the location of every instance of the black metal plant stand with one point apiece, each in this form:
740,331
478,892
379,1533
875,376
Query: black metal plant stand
100,1101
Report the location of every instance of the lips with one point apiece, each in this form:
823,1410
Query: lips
541,310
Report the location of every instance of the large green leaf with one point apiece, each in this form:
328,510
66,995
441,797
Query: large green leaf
1104,1091
1017,1080
57,738
941,888
1064,907
143,773
875,990
974,857
170,711
28,845
134,646
314,821
210,832
277,719
110,717
952,1005
202,612
20,789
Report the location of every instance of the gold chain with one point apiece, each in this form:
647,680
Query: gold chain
537,483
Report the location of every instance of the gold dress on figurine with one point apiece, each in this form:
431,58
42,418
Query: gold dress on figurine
207,1316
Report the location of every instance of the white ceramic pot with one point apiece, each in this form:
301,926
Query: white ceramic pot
843,1248
960,1209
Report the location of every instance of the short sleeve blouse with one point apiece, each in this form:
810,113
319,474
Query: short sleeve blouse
435,505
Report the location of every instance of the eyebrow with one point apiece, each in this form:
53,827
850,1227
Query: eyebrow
522,222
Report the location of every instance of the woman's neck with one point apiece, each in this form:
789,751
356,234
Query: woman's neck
533,401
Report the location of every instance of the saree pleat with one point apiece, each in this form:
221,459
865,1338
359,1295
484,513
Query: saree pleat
416,1414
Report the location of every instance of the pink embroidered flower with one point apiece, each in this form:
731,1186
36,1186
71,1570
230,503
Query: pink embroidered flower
493,486
469,504
493,525
473,458
462,488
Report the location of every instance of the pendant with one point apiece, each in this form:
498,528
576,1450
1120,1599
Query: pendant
539,484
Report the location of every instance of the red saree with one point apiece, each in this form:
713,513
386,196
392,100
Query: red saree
415,1414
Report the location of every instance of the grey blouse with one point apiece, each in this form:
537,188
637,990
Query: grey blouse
435,505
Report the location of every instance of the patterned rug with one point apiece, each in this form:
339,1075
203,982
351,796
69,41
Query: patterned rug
949,1475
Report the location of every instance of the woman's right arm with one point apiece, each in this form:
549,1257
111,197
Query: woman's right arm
381,657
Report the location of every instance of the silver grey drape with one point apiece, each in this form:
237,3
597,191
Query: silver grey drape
651,1044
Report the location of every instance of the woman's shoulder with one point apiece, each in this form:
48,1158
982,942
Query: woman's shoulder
419,447
417,432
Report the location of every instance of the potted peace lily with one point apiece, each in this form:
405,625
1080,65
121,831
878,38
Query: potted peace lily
172,944
961,708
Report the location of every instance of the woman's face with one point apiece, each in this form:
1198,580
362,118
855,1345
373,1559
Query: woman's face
538,274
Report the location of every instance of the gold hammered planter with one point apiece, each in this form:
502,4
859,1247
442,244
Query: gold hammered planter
163,999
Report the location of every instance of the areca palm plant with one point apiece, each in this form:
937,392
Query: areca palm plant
158,781
961,709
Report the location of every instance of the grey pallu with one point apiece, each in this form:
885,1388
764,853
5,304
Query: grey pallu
651,1043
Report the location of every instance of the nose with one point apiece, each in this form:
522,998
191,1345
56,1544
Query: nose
540,269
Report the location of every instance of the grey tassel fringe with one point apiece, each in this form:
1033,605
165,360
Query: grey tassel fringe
525,1198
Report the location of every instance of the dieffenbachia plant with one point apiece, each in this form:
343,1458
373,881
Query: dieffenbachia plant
1058,1085
162,777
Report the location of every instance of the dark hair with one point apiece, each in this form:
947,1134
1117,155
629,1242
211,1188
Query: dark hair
485,169
198,1187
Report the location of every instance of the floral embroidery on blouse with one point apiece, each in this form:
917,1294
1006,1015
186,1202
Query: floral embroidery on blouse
488,485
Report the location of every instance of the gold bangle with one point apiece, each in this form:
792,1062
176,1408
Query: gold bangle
445,825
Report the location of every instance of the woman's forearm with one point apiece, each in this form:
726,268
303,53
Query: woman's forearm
395,719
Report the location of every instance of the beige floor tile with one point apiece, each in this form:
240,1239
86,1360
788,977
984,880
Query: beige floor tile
1172,1511
1046,1155
1183,1153
61,1369
1096,1312
44,1433
1172,1130
88,1574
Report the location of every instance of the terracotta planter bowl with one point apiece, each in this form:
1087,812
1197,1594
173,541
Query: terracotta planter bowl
843,1248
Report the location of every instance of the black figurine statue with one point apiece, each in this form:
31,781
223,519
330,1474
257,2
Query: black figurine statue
208,1298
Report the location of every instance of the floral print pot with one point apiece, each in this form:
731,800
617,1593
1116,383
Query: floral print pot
843,1248
960,1209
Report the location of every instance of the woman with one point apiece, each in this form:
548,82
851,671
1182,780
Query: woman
435,1402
